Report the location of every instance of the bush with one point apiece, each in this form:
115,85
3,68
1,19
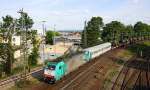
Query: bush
17,69
22,83
33,57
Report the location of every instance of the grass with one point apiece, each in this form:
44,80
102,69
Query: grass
147,43
35,66
18,70
141,47
119,61
109,77
122,56
24,84
127,53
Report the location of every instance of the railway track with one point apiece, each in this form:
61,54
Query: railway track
78,80
122,76
129,83
135,75
143,80
82,72
84,77
15,78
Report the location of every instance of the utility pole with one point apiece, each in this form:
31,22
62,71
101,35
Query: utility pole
54,42
85,34
141,53
43,39
23,41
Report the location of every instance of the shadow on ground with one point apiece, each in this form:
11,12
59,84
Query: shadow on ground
38,75
139,64
140,88
140,47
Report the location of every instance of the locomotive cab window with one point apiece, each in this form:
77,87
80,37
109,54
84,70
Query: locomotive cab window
59,67
51,67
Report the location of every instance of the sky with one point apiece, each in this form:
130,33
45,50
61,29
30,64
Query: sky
71,14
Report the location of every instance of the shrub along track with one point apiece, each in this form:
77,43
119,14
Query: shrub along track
89,76
135,75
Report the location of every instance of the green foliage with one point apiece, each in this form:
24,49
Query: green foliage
141,27
33,57
112,32
32,60
17,69
1,69
31,34
56,33
7,56
6,50
22,83
7,21
49,37
147,43
117,33
119,61
7,30
25,20
144,47
93,32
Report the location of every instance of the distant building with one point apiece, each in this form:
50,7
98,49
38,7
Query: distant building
15,40
70,33
69,36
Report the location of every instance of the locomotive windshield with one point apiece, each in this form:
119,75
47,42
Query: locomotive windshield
51,67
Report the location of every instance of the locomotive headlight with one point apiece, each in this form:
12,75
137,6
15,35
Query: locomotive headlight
53,73
46,71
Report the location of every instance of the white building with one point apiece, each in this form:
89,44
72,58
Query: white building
17,54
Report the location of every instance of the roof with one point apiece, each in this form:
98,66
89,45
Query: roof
56,60
94,48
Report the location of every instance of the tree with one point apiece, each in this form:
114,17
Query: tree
49,37
93,32
24,24
7,28
129,32
141,29
7,21
56,33
25,21
32,59
112,32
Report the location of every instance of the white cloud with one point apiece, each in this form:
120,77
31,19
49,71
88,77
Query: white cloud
68,16
135,1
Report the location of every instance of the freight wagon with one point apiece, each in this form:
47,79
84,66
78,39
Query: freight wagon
54,70
95,51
